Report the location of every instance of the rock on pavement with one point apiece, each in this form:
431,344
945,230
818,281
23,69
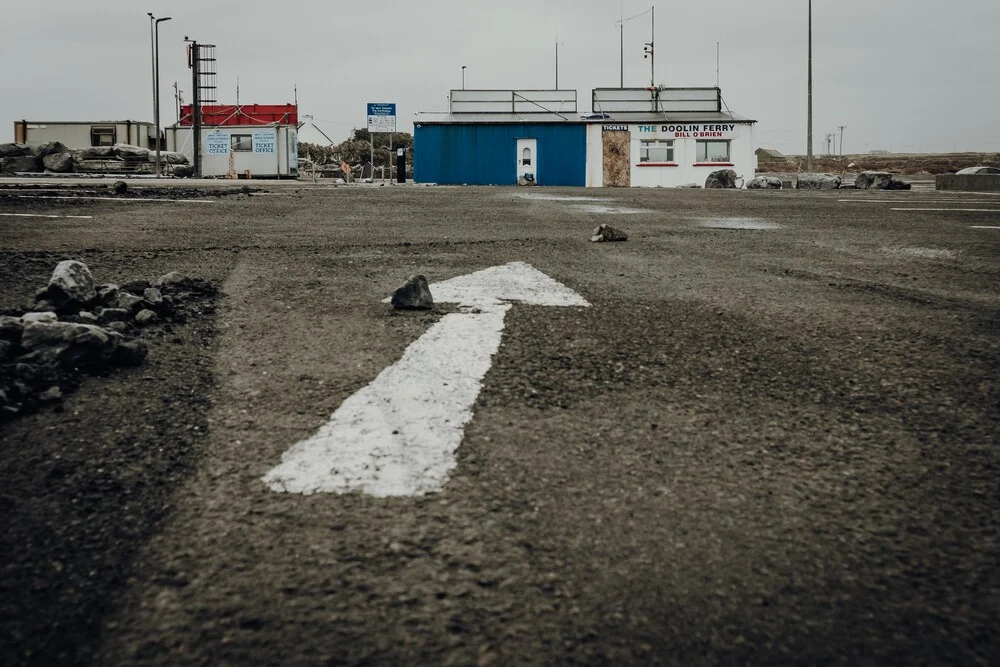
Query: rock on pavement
71,281
818,182
764,183
722,179
608,234
414,294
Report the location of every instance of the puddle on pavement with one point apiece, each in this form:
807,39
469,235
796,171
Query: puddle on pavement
525,195
609,210
925,253
740,223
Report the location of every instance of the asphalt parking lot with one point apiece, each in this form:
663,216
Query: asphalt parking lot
770,437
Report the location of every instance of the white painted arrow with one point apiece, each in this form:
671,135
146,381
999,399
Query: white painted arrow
398,435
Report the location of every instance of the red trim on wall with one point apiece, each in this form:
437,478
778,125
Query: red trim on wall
657,164
714,164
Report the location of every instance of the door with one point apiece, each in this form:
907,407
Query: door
617,159
527,161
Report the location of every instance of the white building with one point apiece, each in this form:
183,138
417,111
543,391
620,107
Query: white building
245,141
85,134
665,137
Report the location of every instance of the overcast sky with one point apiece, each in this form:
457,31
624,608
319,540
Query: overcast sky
901,75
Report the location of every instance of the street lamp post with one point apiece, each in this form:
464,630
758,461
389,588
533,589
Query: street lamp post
156,85
463,76
809,114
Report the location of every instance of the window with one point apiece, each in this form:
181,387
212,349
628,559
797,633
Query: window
525,157
241,143
102,136
656,150
713,151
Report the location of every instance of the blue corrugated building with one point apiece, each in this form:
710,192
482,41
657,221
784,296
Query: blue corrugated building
502,137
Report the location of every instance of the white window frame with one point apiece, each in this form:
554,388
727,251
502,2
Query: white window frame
701,149
244,145
656,144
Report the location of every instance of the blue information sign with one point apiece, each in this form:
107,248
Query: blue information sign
381,117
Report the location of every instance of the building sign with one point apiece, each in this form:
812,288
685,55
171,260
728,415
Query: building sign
217,143
614,128
691,130
381,117
265,141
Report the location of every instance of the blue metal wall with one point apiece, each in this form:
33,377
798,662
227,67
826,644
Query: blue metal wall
486,154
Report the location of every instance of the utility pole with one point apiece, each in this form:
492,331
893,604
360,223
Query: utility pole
842,128
648,48
809,115
195,66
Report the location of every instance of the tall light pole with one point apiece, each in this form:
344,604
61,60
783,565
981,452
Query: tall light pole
463,76
621,36
155,23
809,118
648,49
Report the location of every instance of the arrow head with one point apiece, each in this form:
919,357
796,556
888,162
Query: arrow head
515,281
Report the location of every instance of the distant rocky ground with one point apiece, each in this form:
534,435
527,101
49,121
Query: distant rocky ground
56,158
898,163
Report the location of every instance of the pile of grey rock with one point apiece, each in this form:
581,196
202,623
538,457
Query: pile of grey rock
75,327
879,180
55,158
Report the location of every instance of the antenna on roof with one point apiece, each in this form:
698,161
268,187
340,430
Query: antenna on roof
716,64
237,90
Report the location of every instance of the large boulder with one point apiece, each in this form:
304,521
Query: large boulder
764,183
874,180
898,185
94,152
128,150
182,170
22,164
60,163
170,157
69,343
818,182
722,179
51,148
14,150
71,282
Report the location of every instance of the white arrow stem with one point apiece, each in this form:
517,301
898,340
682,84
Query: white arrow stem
398,435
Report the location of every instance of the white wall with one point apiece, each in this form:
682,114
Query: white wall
269,156
77,135
684,169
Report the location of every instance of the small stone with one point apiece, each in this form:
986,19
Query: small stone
608,234
39,317
136,286
11,328
145,317
88,317
53,393
118,327
6,347
113,315
130,353
108,294
119,187
71,281
174,279
152,296
129,302
414,294
43,306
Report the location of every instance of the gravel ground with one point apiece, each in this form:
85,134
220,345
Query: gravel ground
772,439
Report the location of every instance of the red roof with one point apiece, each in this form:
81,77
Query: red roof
243,114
